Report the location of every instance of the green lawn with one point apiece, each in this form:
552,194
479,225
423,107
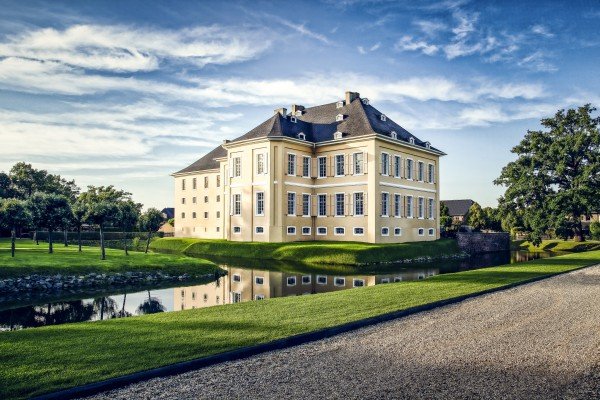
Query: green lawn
46,359
557,245
342,253
34,259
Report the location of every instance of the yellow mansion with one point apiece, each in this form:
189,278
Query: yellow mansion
341,171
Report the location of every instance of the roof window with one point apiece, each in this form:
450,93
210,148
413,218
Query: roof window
301,136
394,135
428,145
339,104
338,135
365,101
383,117
299,113
293,119
339,117
412,140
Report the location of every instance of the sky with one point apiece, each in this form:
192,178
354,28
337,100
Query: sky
126,93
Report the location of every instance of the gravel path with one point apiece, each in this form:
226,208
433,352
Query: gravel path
538,341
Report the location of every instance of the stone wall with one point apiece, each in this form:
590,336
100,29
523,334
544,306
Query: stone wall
478,242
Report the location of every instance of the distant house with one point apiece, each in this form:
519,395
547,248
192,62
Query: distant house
458,209
587,221
168,213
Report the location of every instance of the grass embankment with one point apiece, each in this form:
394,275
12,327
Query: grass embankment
343,253
557,245
34,259
45,359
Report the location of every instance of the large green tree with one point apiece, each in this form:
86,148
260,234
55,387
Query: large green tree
14,214
129,217
476,217
26,180
51,211
445,218
150,221
556,176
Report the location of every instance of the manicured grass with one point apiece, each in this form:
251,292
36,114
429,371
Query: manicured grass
343,253
557,245
46,359
34,259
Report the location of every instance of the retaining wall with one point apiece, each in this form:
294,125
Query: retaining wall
479,242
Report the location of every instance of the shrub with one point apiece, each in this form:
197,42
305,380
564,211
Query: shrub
595,230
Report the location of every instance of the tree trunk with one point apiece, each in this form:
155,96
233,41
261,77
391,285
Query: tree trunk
79,238
66,238
102,244
578,233
35,237
13,237
148,242
50,247
126,252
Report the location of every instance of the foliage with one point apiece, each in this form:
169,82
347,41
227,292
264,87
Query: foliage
24,181
85,353
150,221
445,218
492,219
558,246
476,217
129,216
171,221
50,211
595,230
556,177
14,215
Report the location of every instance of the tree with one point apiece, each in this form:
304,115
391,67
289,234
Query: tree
129,217
150,221
556,177
492,218
6,191
476,217
445,218
79,212
13,215
54,212
595,230
26,180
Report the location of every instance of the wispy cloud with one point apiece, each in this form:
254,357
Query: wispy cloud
304,31
363,50
542,30
408,43
430,28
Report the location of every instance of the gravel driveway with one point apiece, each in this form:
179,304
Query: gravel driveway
540,340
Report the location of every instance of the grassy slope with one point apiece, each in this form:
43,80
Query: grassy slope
30,259
45,359
558,245
347,253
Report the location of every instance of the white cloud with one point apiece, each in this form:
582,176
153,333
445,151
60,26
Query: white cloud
537,61
541,30
304,31
374,47
407,43
125,48
430,28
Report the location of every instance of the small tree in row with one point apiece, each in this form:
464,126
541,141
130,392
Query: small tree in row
14,215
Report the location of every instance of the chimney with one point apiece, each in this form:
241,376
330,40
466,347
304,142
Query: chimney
350,96
281,111
296,107
226,141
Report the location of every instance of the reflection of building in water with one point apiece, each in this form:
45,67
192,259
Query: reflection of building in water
249,284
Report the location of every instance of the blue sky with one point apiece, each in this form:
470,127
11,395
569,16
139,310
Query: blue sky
126,93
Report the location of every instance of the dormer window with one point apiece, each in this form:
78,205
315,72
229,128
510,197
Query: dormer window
339,104
394,135
338,135
412,140
428,145
301,136
365,101
339,117
383,117
293,119
298,113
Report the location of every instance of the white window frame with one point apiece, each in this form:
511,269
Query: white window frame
320,278
420,171
421,207
324,158
343,214
384,280
431,231
335,279
261,165
385,211
319,196
430,208
421,232
292,229
338,135
262,228
339,234
305,164
262,280
397,231
238,229
321,234
354,280
237,203
335,161
397,205
339,117
309,279
410,207
259,297
358,234
393,135
287,281
307,214
260,204
411,162
236,278
397,166
355,205
301,136
386,228
291,164
360,166
237,166
293,204
306,233
431,173
339,104
385,166
383,117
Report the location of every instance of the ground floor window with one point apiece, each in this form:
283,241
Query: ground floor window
260,230
322,280
259,297
306,230
321,230
291,230
259,280
339,231
291,281
385,231
359,231
306,280
358,282
237,278
339,281
397,231
431,232
421,231
237,229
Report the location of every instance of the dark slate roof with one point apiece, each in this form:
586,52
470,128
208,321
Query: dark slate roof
458,207
206,162
169,212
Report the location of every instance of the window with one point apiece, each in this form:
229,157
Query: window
205,182
291,170
385,231
322,167
383,117
397,205
237,166
218,216
398,279
259,297
339,165
205,297
393,135
218,228
358,160
359,231
260,203
291,230
409,169
194,183
293,119
305,205
182,215
260,164
365,101
205,215
359,203
397,231
339,117
322,201
339,205
218,198
206,199
194,214
385,164
397,163
306,230
259,280
421,232
339,281
428,145
306,167
431,232
339,231
338,135
306,280
218,180
259,230
430,208
291,281
385,199
411,140
430,173
385,280
321,279
339,104
322,230
183,184
421,171
237,278
420,208
409,206
291,209
183,200
237,230
194,200
237,204
358,282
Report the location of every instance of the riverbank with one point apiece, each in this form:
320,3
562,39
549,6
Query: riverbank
338,253
32,259
41,360
556,245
